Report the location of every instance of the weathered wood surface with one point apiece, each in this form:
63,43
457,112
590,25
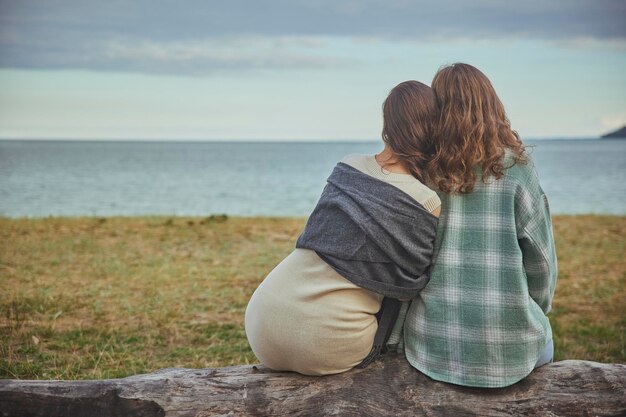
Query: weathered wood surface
387,387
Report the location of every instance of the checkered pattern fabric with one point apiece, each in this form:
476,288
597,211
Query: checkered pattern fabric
481,320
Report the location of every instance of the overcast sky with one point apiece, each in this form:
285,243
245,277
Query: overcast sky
297,69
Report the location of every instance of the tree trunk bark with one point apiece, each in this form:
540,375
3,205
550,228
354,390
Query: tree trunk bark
389,386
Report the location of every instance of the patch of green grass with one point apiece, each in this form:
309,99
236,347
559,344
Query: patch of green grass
92,298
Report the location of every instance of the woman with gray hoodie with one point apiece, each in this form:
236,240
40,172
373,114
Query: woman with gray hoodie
331,304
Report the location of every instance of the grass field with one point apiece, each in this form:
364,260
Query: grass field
87,298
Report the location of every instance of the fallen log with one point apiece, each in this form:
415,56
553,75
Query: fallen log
389,386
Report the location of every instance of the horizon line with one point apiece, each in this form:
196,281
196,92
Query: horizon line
253,140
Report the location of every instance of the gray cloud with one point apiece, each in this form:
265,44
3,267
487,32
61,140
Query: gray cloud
201,36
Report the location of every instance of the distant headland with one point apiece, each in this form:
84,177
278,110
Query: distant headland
618,134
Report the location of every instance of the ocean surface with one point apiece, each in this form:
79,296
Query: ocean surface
104,178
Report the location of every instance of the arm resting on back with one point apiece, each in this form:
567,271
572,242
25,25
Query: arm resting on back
435,212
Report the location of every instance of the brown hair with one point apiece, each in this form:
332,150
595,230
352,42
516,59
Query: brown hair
409,112
472,130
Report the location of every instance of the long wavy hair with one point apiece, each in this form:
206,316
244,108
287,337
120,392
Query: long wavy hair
409,112
472,131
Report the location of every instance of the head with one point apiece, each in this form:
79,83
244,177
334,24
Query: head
472,130
409,112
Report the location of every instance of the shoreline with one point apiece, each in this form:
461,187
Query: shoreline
228,216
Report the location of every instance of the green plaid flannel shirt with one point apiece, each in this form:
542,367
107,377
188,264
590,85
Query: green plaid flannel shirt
481,320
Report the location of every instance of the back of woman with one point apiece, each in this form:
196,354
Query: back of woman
329,305
481,321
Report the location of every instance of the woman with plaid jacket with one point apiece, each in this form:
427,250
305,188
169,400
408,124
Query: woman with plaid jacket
481,320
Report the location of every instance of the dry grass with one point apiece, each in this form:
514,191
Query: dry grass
87,298
589,310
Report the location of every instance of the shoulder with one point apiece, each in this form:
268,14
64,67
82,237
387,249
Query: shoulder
407,183
424,195
358,161
523,175
530,197
432,201
354,158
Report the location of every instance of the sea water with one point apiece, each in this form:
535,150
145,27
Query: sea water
104,178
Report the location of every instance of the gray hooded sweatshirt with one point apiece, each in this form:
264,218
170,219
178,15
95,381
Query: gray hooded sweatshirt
376,236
